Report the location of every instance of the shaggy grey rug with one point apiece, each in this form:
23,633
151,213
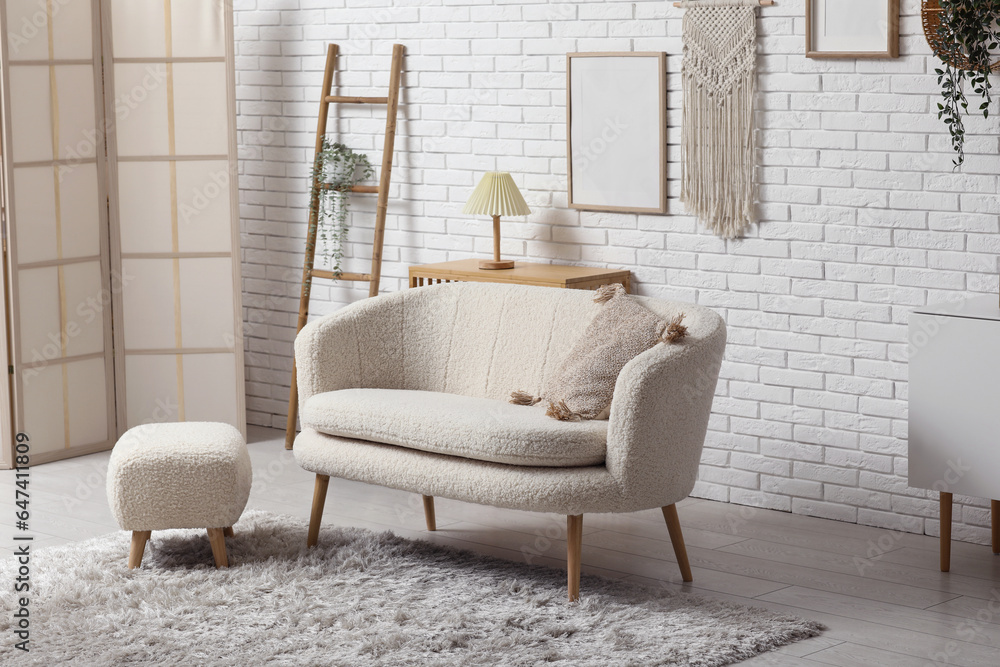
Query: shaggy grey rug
360,598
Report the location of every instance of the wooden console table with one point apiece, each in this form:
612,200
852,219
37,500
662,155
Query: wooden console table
954,391
523,273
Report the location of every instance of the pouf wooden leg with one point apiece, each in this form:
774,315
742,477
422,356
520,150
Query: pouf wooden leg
217,538
228,532
139,538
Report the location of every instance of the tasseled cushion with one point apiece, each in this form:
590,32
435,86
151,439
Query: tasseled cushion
585,382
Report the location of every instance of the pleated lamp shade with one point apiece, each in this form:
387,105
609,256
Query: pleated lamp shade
496,194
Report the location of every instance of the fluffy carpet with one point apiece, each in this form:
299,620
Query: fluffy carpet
360,598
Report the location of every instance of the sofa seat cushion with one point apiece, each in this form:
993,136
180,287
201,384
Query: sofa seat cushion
475,428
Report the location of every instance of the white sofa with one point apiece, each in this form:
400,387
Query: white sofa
409,390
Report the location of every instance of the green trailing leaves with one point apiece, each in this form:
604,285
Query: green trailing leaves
969,32
337,168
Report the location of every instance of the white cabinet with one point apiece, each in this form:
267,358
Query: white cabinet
954,411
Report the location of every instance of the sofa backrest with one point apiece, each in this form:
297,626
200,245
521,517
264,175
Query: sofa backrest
481,339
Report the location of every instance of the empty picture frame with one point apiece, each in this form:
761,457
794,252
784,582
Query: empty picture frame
616,131
852,28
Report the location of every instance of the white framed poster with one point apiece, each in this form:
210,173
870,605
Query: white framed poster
852,28
616,131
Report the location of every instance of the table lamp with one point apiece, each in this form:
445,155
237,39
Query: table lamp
496,195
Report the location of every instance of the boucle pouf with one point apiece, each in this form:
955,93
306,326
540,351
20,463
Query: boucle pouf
183,475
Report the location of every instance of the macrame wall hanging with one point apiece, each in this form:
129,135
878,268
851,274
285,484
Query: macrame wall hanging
718,142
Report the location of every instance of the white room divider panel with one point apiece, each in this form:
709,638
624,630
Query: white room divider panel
58,254
123,265
173,207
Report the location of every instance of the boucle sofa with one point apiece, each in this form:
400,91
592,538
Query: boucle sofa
409,390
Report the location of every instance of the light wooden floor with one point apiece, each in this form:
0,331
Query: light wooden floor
888,606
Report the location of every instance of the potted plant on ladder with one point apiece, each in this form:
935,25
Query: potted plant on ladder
336,170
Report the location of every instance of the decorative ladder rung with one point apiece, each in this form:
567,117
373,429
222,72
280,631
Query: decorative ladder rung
354,188
322,273
345,99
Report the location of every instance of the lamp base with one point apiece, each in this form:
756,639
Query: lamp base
496,264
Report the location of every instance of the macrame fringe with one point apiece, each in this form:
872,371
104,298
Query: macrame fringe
605,293
719,3
718,142
523,398
675,331
562,412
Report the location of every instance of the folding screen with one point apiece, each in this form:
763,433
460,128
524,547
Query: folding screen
173,202
58,255
123,274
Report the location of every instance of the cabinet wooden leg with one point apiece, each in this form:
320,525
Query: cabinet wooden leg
995,520
138,546
429,512
217,538
945,531
574,545
677,540
319,499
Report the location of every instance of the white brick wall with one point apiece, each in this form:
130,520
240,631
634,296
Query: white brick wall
863,217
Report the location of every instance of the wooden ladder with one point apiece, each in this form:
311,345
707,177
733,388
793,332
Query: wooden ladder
382,189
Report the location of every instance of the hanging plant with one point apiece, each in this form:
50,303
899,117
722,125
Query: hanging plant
337,168
962,33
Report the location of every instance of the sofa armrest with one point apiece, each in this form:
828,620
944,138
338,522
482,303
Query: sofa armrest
358,346
660,412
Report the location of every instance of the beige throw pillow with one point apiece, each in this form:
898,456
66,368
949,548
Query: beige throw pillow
585,382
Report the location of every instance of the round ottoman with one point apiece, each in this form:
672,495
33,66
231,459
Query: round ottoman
183,475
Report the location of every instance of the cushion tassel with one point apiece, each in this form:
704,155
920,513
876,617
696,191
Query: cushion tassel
606,292
523,398
562,412
675,330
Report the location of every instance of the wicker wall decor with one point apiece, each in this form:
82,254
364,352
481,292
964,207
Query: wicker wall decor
947,51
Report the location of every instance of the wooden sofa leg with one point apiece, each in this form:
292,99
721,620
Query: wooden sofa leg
319,499
429,513
228,532
574,544
217,538
677,539
139,538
